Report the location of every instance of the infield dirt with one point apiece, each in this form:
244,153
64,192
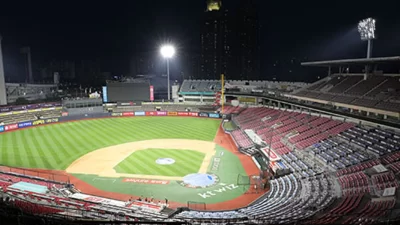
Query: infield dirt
101,162
222,139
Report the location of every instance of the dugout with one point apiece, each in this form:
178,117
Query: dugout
82,106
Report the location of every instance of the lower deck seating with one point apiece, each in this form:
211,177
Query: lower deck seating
370,212
241,139
14,178
347,205
33,208
287,200
53,202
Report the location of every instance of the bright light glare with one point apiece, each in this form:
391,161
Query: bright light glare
366,28
167,51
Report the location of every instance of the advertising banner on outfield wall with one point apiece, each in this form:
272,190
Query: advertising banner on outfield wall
193,114
213,115
203,114
151,113
25,124
1,128
116,114
183,114
161,113
7,109
11,127
128,114
37,122
140,113
64,114
172,113
52,120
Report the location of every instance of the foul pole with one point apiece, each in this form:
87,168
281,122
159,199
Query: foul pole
222,93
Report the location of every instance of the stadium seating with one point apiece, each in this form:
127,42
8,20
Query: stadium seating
348,149
376,91
18,117
275,126
388,105
287,200
338,154
385,89
332,175
231,109
53,202
365,85
372,210
242,140
19,178
200,86
347,83
374,140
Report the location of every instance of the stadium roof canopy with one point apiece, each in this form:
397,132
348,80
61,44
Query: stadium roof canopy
347,62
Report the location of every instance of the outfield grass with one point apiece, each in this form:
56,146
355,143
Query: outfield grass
57,146
144,162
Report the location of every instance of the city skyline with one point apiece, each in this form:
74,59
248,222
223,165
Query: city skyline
111,34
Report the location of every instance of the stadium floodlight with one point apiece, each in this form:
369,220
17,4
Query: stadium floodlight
168,51
367,28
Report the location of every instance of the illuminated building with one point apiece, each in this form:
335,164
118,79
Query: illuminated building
214,5
215,46
230,42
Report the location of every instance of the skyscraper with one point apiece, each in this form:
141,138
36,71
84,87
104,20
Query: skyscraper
248,31
214,41
230,41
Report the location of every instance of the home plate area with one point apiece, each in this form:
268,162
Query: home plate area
177,169
167,159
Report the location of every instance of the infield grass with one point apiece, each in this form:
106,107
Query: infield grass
144,162
56,146
227,171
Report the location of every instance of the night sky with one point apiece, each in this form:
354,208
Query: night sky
112,31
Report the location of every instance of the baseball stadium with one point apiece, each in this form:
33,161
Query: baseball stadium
220,154
216,152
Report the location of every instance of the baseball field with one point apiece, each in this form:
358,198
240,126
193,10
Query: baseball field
179,158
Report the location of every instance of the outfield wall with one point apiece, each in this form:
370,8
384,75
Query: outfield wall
27,124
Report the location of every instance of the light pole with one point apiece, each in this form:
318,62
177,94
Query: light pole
3,92
168,51
366,28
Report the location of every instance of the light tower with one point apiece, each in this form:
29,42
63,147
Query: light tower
366,28
3,96
168,51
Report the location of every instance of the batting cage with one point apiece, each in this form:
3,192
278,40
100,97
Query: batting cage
250,184
196,205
